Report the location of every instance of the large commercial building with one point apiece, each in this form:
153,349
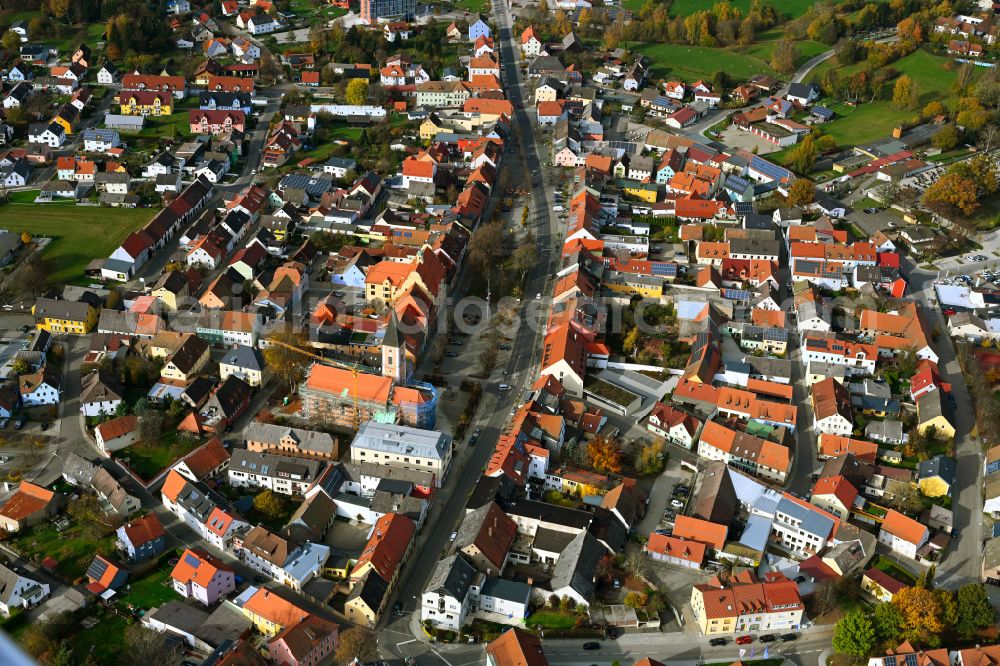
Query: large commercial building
401,446
373,11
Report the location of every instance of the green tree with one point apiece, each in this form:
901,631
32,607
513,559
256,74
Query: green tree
357,92
974,610
11,41
946,138
888,622
854,634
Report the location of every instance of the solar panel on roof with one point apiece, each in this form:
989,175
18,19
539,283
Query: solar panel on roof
736,294
191,560
664,270
769,169
911,659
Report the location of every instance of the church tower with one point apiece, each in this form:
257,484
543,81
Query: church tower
394,351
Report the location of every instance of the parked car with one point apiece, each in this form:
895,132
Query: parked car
451,354
19,423
454,535
744,640
767,638
475,437
718,641
591,645
677,503
948,312
788,637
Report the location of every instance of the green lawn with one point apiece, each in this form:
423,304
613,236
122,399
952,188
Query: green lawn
551,619
103,641
79,235
886,565
691,63
473,6
177,124
73,548
148,460
149,592
807,49
869,122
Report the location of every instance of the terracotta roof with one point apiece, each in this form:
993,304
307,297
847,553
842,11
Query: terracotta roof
336,380
696,529
829,398
884,580
392,271
116,428
206,458
904,527
303,638
389,540
173,485
196,566
268,605
28,499
674,546
837,486
143,530
516,647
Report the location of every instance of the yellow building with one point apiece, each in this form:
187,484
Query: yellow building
146,103
184,364
880,585
932,418
936,476
632,284
67,125
578,482
710,626
61,316
430,128
271,613
384,280
647,192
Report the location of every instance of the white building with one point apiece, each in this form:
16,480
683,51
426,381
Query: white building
903,534
447,599
19,591
402,446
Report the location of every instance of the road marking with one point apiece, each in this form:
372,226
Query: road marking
441,657
412,640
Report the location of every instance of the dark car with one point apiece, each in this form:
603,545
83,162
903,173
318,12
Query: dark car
591,645
451,355
718,641
767,638
474,437
788,637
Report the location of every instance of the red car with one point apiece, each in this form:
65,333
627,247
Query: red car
744,640
948,312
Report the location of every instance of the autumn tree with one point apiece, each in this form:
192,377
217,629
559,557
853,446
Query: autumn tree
649,458
59,8
11,41
784,55
801,192
270,504
952,194
636,600
286,356
921,611
974,610
525,257
356,643
854,634
604,455
356,92
802,157
904,93
933,108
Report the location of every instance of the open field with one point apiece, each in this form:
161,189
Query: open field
691,63
79,234
869,122
147,461
73,548
788,8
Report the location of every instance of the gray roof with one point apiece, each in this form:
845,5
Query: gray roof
245,357
452,576
888,429
576,565
931,405
78,469
308,440
938,466
391,438
100,134
270,465
552,541
508,590
810,520
991,554
61,309
8,584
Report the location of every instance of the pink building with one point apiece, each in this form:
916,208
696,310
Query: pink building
202,577
304,643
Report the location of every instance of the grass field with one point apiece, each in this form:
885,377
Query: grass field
147,461
73,548
790,8
103,641
691,63
551,619
79,235
869,122
886,565
149,592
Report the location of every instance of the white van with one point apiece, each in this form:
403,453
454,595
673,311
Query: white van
504,387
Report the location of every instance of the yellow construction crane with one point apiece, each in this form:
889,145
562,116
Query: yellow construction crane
332,363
